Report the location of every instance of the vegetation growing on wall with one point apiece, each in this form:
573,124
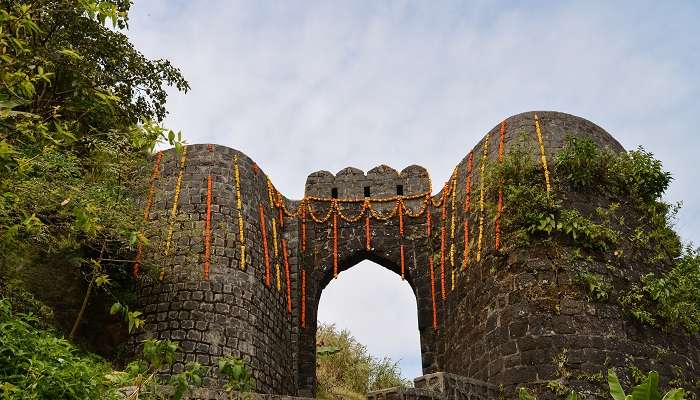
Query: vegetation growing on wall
639,239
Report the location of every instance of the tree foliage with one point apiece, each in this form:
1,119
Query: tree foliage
79,113
349,371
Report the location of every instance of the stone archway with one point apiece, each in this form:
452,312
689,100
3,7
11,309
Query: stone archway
307,350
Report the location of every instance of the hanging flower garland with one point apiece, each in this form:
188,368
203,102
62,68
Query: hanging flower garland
207,231
286,276
368,233
467,210
543,156
452,230
147,211
428,218
263,231
482,169
403,267
335,246
432,290
400,206
276,251
173,210
442,262
302,206
239,208
500,187
384,217
303,298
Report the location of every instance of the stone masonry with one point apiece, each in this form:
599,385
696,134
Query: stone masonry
478,328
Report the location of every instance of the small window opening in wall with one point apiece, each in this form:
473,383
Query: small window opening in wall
334,193
366,191
399,190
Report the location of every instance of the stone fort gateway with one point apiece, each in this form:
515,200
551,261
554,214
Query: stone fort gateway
240,270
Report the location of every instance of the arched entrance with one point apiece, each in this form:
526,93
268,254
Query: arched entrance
379,310
356,217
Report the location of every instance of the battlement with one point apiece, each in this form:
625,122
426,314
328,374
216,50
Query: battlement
380,182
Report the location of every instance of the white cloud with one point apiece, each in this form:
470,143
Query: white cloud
333,84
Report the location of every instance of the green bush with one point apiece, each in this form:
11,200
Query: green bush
635,173
670,300
580,163
35,364
638,174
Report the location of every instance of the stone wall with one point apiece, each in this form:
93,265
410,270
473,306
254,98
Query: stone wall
483,314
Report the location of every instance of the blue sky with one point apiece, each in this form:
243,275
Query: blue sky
303,86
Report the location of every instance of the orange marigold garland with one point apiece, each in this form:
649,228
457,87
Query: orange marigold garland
303,298
482,169
432,290
207,231
286,276
500,187
403,268
173,210
467,209
147,211
263,231
543,156
335,246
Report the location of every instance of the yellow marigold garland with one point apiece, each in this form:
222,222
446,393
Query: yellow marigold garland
467,209
428,218
442,261
500,187
147,211
368,233
543,156
239,208
277,272
482,169
432,290
303,298
400,206
302,206
452,230
286,276
335,246
173,210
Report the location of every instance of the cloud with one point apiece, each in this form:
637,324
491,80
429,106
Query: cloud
333,84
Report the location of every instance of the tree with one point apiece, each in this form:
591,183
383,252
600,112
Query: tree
349,371
79,114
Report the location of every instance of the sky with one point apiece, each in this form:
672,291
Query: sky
304,86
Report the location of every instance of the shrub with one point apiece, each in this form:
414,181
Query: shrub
670,300
35,364
580,163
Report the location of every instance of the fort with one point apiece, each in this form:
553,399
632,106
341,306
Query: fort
242,269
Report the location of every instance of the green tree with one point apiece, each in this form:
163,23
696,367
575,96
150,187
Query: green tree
346,370
79,114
